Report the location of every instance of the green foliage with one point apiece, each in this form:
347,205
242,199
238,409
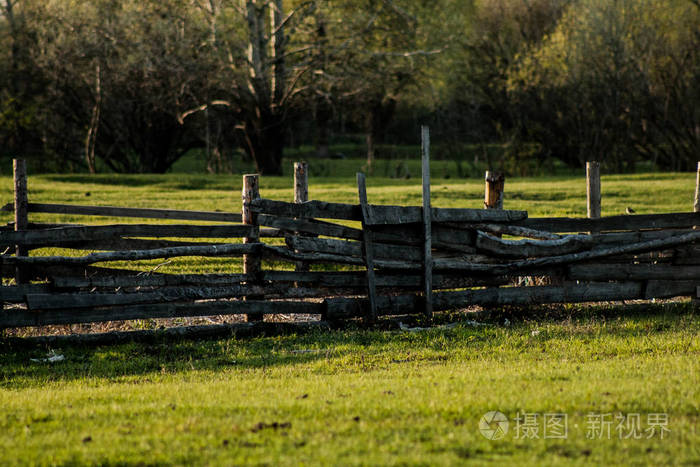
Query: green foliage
133,86
612,83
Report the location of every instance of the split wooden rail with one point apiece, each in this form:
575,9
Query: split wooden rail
345,261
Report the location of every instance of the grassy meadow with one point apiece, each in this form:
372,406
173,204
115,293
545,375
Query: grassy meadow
626,379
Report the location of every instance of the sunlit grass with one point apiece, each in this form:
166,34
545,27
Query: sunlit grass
360,397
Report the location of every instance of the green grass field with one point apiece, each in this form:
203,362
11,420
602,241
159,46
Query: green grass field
358,397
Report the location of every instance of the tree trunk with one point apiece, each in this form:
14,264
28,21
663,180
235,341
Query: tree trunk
264,128
379,114
263,142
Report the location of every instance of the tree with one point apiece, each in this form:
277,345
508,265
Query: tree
613,83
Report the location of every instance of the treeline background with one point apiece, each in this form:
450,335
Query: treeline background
521,85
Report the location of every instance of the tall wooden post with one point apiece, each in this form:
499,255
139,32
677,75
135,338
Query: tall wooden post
301,195
493,193
21,212
367,250
427,225
251,262
593,189
697,190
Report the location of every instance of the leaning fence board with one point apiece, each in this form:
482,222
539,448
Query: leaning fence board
640,247
17,318
367,250
529,264
443,236
603,272
506,229
528,248
678,220
310,226
149,213
224,249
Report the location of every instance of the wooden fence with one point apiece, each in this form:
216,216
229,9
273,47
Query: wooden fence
400,259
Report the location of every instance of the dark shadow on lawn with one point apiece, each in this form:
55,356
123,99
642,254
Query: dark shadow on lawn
300,347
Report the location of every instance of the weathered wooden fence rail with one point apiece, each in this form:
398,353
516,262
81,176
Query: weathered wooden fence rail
394,260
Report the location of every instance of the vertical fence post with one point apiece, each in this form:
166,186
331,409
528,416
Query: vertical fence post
493,193
696,206
21,212
301,195
251,262
427,225
593,189
301,182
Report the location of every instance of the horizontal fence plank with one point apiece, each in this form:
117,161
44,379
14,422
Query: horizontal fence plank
670,288
309,209
113,211
343,247
148,280
358,279
568,293
344,308
528,248
49,301
21,318
10,227
106,232
18,293
224,249
601,240
276,280
679,220
380,214
632,272
275,252
45,272
124,244
689,255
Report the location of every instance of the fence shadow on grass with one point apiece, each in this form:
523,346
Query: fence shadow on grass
346,348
